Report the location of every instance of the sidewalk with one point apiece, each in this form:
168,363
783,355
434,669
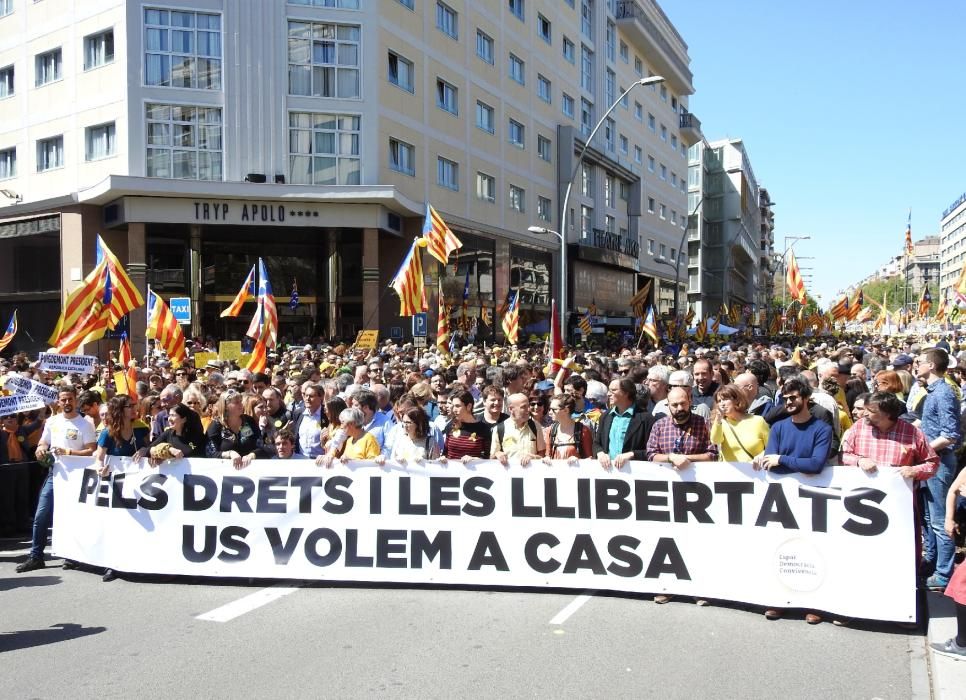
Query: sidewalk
948,675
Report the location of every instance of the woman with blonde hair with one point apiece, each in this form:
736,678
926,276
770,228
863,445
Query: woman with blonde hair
740,436
195,400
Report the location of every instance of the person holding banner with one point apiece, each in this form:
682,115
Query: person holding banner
185,436
234,435
413,439
517,437
623,431
121,437
70,434
566,438
466,438
359,445
740,436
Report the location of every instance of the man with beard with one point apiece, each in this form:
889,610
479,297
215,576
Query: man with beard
680,438
799,443
704,384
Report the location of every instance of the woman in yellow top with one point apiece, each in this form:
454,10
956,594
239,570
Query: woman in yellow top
357,443
740,437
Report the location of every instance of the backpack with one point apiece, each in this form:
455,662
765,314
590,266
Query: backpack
501,430
579,429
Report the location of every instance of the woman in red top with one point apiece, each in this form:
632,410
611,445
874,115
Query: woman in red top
565,438
466,437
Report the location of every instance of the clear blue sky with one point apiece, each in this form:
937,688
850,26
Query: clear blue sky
851,111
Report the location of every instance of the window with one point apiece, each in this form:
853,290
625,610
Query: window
543,208
610,81
586,221
484,46
517,68
664,93
650,205
446,20
609,187
543,89
516,8
624,191
340,4
544,28
516,134
486,187
98,49
543,148
663,251
447,97
99,141
674,217
586,180
638,66
611,39
48,67
650,246
402,157
568,105
50,153
586,116
8,163
324,149
587,18
638,154
674,142
674,179
609,135
569,50
663,133
610,223
674,103
6,82
6,7
651,122
625,54
484,116
663,172
663,215
401,72
586,68
447,173
622,140
324,59
639,111
408,3
183,49
184,142
517,199
650,164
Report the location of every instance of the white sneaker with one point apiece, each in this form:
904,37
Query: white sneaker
950,647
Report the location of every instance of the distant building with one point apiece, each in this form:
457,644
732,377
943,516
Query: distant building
952,244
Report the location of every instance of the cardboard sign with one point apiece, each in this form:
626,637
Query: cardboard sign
203,358
229,349
367,340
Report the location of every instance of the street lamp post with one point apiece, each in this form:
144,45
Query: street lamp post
562,234
677,263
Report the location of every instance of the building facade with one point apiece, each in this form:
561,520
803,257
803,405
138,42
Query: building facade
952,245
199,135
725,241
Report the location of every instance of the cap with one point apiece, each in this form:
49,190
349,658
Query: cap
902,360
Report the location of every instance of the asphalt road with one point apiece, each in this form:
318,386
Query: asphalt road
68,634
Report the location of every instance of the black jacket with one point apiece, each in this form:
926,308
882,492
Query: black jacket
635,440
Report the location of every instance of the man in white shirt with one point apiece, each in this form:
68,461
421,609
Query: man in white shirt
66,434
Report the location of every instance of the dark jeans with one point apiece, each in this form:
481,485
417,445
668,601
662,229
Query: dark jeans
43,517
938,547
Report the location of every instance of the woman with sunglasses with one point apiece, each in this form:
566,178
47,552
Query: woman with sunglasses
565,438
121,437
539,410
234,435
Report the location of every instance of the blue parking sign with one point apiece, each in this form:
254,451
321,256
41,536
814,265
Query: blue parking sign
420,325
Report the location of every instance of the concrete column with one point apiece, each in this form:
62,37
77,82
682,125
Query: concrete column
370,278
501,279
331,296
194,284
78,235
137,270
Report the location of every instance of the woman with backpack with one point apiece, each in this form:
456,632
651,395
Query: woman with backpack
566,438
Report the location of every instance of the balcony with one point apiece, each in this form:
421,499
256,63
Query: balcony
668,60
690,128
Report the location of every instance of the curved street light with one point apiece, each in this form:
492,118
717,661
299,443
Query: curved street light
562,234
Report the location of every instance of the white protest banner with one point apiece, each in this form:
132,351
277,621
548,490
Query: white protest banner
19,402
717,530
78,364
28,387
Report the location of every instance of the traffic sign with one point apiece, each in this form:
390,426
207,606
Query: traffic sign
181,309
419,341
420,325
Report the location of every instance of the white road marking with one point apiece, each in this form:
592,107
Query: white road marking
572,607
244,605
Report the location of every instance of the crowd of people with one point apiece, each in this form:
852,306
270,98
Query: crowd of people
871,403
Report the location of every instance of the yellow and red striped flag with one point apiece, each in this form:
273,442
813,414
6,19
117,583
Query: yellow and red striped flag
130,373
408,281
440,240
259,358
793,279
511,320
88,328
246,292
649,325
925,303
442,321
266,314
909,247
701,330
164,328
840,309
638,300
121,296
10,332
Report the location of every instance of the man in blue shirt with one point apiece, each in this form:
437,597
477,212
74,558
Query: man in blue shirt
940,423
623,430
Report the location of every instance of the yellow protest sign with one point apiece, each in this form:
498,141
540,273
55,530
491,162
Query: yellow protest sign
244,359
229,349
366,340
203,358
120,383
